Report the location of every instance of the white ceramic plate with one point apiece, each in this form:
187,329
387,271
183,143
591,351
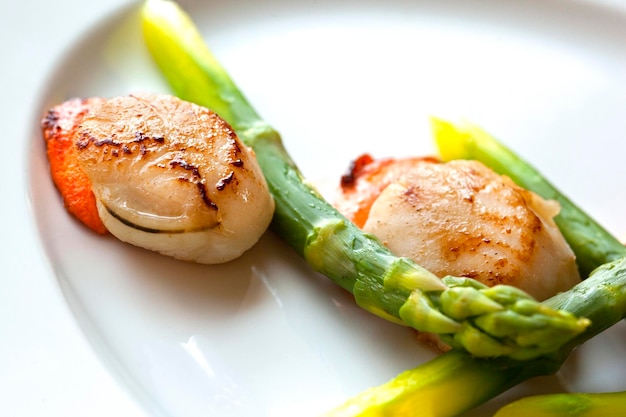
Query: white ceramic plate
263,335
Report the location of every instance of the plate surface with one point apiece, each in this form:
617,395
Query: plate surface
263,335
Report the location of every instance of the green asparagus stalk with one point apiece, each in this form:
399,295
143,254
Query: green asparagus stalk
612,404
591,243
497,321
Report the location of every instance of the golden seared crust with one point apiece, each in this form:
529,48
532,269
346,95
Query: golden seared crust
59,127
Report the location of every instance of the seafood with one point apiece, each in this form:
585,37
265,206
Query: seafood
460,218
161,173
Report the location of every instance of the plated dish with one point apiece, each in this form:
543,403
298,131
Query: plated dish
264,335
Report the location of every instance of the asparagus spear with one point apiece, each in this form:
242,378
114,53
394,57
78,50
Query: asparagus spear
455,382
610,404
497,321
591,243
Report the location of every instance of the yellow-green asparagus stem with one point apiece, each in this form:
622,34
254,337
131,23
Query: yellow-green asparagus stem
502,320
611,404
444,386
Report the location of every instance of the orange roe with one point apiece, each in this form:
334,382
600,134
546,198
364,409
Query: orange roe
59,127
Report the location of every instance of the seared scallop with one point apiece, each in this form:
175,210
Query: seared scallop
460,218
172,177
